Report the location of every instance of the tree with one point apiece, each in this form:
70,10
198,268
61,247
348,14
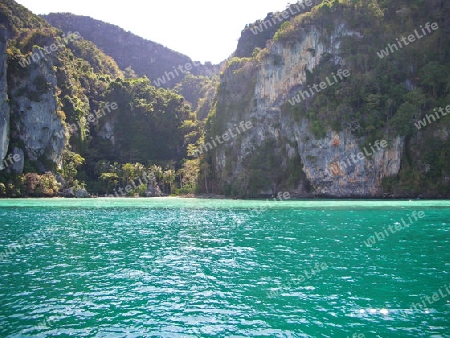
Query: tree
169,178
435,76
70,162
206,171
157,172
189,177
48,184
402,122
139,169
111,180
128,172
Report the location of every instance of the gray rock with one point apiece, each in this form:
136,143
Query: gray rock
67,193
38,125
60,180
4,106
153,191
17,166
82,193
326,162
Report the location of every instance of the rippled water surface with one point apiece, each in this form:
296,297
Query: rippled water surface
220,268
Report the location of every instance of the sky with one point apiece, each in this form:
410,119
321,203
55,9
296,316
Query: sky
204,30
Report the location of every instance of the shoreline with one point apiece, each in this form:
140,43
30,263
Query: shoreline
262,198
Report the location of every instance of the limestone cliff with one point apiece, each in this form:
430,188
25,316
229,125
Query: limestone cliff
28,93
34,103
258,91
4,107
48,82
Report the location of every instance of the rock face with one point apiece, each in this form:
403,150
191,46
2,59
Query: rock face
327,163
4,106
82,193
107,130
34,105
17,166
153,190
333,168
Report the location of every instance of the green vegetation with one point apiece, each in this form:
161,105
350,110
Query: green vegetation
382,98
151,125
156,131
137,56
133,178
198,92
29,185
15,17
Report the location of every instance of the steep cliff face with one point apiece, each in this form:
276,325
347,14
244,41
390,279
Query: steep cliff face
48,83
256,34
4,107
326,162
34,104
28,93
333,168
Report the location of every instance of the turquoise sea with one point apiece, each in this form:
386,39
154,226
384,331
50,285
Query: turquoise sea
169,267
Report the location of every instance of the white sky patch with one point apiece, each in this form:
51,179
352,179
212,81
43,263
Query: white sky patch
204,30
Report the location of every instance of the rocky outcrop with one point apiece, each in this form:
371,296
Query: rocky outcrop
17,166
153,190
75,193
327,163
4,106
82,193
35,106
333,167
107,129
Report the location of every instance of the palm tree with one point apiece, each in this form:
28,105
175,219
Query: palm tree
139,169
157,171
128,172
169,178
110,179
